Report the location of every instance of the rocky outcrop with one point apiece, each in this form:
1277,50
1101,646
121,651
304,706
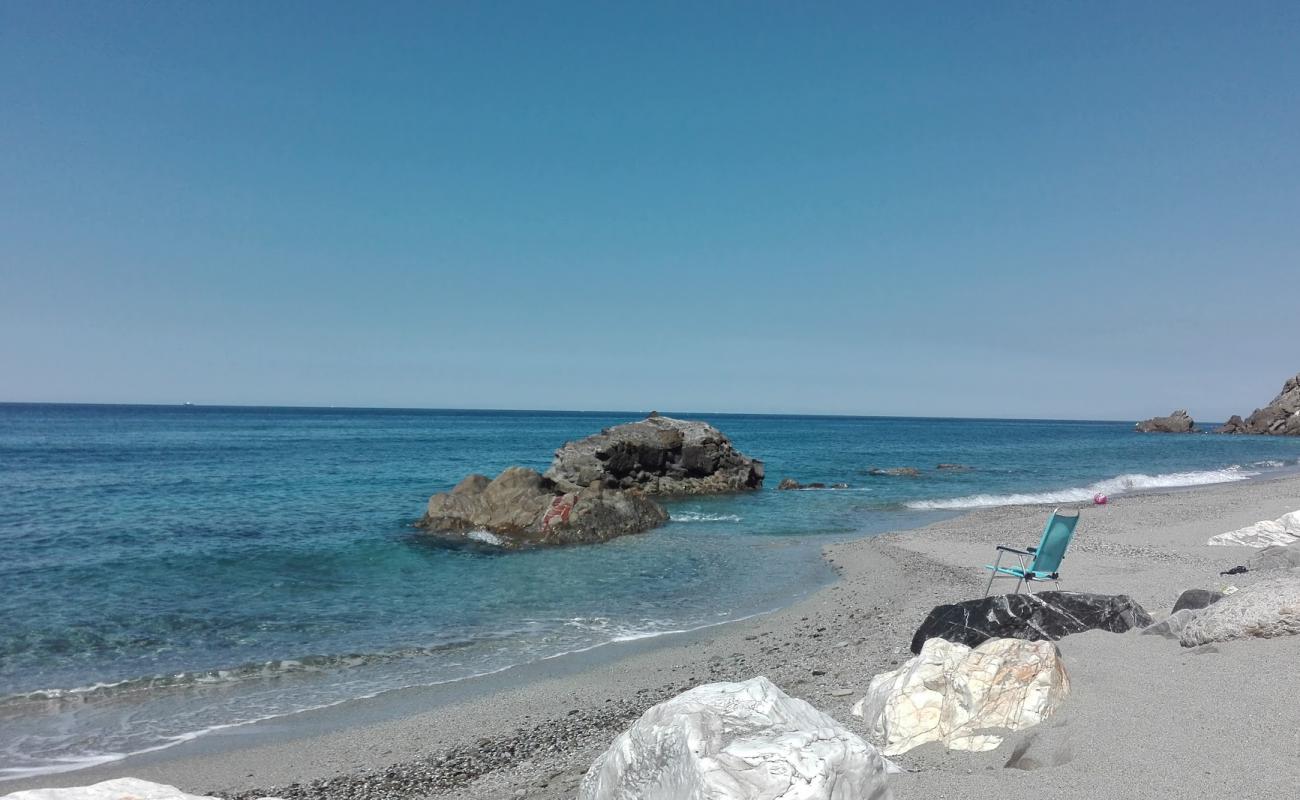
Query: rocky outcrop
1284,530
117,789
953,467
1196,599
1235,424
658,455
1177,422
895,472
789,484
1281,417
960,697
520,508
1039,616
736,741
1263,610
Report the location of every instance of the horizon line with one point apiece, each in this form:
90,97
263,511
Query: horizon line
609,412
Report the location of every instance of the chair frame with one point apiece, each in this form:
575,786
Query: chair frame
1027,576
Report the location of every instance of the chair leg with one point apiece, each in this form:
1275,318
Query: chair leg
989,588
1022,580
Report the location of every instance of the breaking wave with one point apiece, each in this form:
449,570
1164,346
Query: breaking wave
699,516
1121,484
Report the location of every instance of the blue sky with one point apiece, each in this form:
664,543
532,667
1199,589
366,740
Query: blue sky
1015,209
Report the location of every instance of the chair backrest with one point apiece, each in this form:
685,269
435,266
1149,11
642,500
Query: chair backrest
1056,537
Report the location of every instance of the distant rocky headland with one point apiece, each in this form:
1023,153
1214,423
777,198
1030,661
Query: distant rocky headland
1281,417
596,488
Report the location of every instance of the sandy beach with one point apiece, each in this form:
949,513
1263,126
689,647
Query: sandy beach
1146,717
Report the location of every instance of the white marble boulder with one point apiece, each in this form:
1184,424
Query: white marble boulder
1277,557
964,698
736,741
1264,610
1284,530
117,789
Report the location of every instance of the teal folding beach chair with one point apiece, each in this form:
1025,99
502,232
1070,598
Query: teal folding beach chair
1046,556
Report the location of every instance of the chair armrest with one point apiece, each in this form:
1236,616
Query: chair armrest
1028,552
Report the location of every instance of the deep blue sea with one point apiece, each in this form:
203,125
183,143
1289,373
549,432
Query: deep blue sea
172,570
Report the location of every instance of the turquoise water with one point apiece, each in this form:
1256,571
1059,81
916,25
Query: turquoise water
171,570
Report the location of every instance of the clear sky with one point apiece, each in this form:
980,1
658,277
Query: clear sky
971,209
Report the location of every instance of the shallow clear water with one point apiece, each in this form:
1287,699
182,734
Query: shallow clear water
169,570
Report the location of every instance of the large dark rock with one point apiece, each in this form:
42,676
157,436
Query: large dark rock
658,455
1196,599
1279,418
1039,616
1177,422
521,508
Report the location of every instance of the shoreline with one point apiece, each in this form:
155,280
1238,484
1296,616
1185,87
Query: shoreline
535,727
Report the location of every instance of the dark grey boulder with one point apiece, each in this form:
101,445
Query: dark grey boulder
1036,617
658,455
1196,599
1177,422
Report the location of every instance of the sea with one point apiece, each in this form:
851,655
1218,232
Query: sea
169,571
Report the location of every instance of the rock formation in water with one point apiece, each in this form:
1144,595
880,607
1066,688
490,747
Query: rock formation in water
658,455
1177,422
737,741
1042,615
964,698
895,472
520,508
1279,418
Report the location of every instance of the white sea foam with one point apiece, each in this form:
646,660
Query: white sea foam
486,537
1121,484
699,516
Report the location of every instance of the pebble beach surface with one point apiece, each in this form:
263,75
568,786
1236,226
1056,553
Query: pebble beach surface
1146,718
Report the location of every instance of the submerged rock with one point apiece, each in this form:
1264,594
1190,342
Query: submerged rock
1043,615
1177,422
658,455
954,467
1263,610
520,508
736,741
1281,417
896,472
789,484
960,697
116,789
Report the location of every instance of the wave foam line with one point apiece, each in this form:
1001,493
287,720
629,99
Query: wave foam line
1120,484
697,516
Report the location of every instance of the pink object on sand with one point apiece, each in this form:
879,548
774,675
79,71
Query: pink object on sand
1099,499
